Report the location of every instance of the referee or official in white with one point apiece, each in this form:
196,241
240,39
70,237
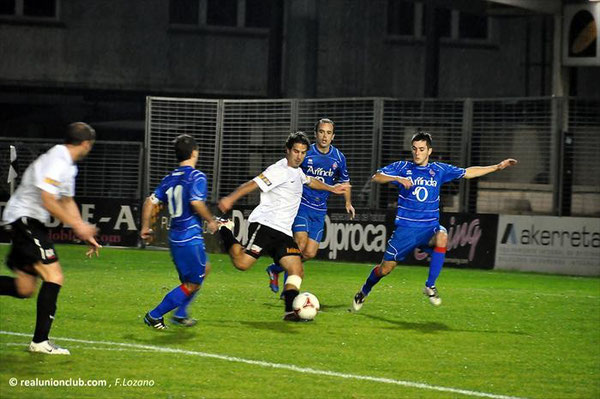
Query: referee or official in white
47,188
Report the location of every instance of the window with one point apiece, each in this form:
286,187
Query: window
472,26
407,18
443,21
183,12
39,8
46,9
401,18
220,13
7,7
258,13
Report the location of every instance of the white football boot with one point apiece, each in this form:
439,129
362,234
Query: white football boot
432,294
48,347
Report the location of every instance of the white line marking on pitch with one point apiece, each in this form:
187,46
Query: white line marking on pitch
291,367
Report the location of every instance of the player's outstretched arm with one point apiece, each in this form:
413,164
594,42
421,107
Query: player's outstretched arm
339,188
478,171
226,203
382,179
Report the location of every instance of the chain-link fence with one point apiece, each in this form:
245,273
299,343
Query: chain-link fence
113,169
556,140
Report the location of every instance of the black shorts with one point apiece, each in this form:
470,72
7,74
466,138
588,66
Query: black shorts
265,240
30,245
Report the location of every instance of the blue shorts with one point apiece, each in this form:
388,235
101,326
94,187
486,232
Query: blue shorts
190,262
310,221
406,239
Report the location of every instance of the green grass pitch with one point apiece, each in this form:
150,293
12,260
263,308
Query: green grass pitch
496,335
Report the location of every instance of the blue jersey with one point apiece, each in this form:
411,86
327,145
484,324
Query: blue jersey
419,206
329,168
178,189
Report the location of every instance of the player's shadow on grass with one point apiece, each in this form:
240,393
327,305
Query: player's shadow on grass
174,335
426,327
432,327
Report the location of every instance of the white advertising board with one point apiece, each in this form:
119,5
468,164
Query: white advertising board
549,244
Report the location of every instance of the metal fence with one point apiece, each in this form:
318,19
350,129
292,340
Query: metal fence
113,169
556,140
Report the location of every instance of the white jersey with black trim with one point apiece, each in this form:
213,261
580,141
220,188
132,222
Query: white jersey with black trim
53,172
281,192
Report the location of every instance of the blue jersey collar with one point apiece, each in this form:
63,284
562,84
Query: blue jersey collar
319,152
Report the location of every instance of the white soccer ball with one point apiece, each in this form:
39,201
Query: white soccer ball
306,305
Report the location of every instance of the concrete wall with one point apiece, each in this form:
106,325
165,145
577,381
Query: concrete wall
358,58
332,48
128,45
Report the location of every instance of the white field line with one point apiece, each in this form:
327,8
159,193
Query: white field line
291,367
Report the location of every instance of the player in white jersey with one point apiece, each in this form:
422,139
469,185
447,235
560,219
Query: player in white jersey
270,229
47,188
326,163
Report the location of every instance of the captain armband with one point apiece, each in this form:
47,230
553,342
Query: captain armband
154,199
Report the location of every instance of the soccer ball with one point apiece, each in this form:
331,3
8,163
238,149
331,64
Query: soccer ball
306,305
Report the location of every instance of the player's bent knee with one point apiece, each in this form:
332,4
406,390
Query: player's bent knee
244,263
386,269
191,287
308,254
25,291
441,239
57,279
51,273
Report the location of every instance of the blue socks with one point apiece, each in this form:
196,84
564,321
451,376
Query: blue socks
373,279
435,266
182,309
276,268
173,299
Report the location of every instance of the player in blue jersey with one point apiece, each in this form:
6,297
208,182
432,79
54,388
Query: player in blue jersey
326,163
184,191
417,219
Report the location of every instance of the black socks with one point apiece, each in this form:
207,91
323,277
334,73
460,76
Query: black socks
289,296
8,287
46,308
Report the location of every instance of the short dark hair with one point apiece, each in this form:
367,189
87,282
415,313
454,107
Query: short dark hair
184,145
422,136
323,120
298,137
78,132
